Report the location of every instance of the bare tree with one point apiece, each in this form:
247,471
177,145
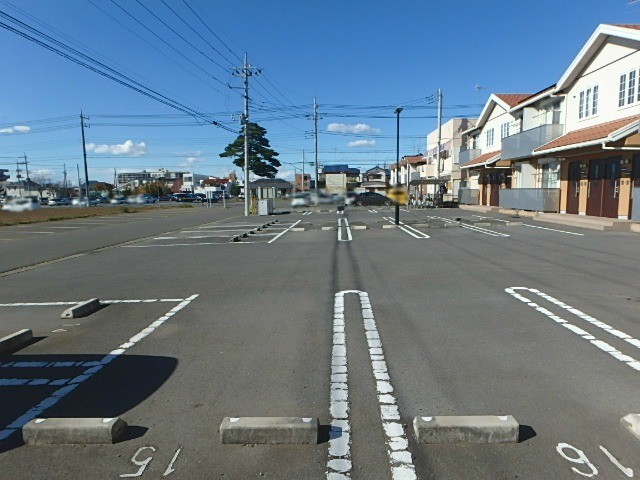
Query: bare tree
40,181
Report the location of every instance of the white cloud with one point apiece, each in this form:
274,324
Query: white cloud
362,143
16,129
356,128
287,174
128,148
193,158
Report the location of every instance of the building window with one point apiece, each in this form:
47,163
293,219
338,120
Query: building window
490,137
504,130
629,92
588,104
623,89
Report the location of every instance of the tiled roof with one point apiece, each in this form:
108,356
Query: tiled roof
589,134
512,99
631,26
485,157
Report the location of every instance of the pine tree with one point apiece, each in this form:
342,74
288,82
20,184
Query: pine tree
262,158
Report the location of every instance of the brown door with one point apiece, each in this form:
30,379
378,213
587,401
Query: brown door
485,185
594,188
573,195
494,201
611,188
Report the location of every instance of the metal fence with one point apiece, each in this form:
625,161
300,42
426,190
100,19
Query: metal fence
468,196
535,199
635,212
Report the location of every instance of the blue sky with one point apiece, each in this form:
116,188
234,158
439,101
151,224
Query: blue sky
360,59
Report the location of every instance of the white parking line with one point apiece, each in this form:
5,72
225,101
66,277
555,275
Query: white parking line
472,227
553,230
605,347
339,464
52,304
60,393
414,232
344,221
32,382
372,210
283,232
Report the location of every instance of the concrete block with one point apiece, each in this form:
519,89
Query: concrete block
515,224
298,229
359,227
82,309
73,431
15,341
328,228
632,423
235,238
389,226
466,429
269,430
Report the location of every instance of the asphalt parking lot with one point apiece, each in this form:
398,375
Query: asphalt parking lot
341,317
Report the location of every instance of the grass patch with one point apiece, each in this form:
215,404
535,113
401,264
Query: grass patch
53,214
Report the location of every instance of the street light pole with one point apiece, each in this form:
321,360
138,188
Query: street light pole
397,112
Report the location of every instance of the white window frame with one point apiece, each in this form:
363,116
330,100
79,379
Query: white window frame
490,137
588,102
629,88
504,130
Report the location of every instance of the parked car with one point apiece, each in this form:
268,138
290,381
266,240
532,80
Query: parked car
21,204
165,198
372,198
118,200
300,199
79,202
183,197
57,202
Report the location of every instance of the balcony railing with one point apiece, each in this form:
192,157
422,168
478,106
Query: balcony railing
534,199
467,155
522,144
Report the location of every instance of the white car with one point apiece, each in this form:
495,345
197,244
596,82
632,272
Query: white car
300,200
21,204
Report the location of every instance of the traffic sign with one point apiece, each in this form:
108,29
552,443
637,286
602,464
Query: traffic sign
400,195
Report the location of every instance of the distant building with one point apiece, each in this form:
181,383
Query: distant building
303,182
375,179
135,179
270,188
340,178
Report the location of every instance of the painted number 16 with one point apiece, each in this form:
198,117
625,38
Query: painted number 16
578,456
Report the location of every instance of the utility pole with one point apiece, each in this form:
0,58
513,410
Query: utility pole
79,186
26,169
315,132
18,176
437,193
245,72
302,171
84,152
64,182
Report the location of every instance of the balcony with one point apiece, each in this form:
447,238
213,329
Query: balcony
522,144
534,199
467,155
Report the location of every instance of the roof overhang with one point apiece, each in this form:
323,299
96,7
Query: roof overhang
488,161
597,39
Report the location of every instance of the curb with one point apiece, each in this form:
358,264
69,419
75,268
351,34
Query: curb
269,430
15,341
466,429
75,431
82,309
631,422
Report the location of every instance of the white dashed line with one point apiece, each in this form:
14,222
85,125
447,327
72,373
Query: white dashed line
72,384
604,346
339,463
345,222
